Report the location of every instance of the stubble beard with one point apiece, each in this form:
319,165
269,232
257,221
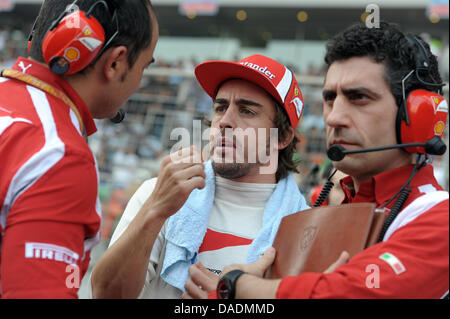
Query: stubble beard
232,170
236,170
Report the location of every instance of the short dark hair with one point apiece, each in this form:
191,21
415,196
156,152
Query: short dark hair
388,45
135,27
286,162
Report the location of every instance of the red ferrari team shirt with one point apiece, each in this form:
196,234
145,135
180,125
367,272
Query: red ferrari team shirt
412,261
50,212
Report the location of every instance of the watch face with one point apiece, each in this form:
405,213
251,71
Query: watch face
223,290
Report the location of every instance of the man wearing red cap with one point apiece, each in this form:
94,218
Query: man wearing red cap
219,212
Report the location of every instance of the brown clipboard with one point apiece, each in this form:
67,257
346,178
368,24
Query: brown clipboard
313,239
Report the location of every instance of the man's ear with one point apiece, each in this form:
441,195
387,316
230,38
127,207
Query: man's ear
115,63
287,140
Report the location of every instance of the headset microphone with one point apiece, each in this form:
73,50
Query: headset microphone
120,116
434,146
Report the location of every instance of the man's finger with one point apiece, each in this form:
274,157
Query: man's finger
206,271
195,291
194,182
203,279
189,172
264,262
187,155
343,258
184,155
186,296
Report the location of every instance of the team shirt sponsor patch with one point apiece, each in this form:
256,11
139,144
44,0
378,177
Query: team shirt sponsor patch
298,106
394,262
442,107
50,252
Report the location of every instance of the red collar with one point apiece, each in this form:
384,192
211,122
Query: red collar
380,188
43,73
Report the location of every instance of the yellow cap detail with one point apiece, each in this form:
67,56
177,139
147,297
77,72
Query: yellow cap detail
72,54
439,128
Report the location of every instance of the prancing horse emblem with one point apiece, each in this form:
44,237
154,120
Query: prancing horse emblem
308,236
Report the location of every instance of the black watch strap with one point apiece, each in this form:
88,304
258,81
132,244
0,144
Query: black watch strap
226,288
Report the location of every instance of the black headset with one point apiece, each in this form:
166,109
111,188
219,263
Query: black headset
422,60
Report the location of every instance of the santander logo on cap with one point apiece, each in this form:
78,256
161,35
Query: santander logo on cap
283,81
263,70
276,79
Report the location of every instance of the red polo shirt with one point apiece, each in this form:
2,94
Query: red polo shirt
413,259
50,212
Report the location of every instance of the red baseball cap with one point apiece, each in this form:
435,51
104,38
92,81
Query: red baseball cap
276,79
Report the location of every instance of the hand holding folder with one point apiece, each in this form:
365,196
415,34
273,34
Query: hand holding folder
311,240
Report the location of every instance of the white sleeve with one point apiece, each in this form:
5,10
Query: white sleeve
134,205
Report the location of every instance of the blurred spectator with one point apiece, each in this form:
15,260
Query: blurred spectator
125,162
150,148
4,35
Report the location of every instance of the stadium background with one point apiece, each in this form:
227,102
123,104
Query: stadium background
192,31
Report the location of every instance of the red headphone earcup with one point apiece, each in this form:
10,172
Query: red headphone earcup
427,112
73,44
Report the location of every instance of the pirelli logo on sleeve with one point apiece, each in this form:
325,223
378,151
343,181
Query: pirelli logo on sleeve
50,252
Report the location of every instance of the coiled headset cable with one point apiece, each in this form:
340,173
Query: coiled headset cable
325,191
402,195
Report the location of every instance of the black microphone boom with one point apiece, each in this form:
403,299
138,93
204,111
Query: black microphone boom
120,116
434,146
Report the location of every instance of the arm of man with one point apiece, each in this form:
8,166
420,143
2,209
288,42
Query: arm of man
121,271
49,231
44,260
200,283
252,286
412,263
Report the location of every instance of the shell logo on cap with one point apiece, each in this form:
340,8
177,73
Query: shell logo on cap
439,128
72,54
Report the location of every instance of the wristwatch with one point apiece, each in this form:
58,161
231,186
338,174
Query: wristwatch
226,288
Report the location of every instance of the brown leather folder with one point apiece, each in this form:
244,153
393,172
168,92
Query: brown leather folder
313,239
